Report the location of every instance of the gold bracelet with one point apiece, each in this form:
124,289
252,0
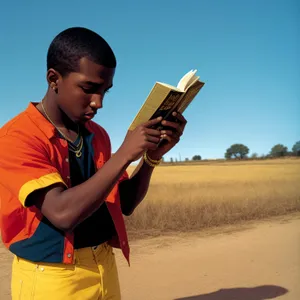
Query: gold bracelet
151,162
158,161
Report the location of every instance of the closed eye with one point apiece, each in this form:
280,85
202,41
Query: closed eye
89,90
93,90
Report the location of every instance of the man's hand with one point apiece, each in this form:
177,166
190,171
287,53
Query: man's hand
170,137
141,139
133,191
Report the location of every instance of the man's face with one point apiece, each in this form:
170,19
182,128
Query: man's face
81,93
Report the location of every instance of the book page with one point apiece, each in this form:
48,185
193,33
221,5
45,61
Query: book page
170,86
190,94
155,103
188,79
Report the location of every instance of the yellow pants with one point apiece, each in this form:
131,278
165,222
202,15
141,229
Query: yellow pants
94,276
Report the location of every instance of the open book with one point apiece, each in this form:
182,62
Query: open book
164,99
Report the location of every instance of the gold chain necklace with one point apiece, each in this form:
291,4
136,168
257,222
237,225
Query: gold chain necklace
78,149
75,149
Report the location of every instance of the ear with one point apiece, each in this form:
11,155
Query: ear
53,78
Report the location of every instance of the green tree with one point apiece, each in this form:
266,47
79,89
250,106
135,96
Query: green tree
196,157
279,150
254,155
237,151
296,149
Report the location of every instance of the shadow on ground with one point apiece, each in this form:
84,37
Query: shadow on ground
256,293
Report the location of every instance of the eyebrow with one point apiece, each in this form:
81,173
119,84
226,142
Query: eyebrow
96,83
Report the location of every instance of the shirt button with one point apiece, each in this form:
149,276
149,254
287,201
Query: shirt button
124,243
67,160
68,177
69,255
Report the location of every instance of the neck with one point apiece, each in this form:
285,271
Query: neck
55,113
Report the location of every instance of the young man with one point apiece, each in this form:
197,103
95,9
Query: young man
62,194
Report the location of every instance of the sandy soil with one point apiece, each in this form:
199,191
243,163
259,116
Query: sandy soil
261,262
256,262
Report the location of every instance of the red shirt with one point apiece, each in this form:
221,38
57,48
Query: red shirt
33,156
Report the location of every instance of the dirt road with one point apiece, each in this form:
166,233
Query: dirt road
254,264
261,262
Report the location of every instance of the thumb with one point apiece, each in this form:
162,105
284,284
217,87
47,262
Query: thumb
152,122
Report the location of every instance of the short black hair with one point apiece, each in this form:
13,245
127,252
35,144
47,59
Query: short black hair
74,43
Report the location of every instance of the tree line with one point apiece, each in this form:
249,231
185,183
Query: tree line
241,151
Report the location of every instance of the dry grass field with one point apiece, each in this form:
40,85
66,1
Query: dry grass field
194,197
190,198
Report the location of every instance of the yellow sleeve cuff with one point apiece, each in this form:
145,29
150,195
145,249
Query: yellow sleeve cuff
39,183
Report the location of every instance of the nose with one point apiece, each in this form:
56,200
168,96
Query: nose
96,101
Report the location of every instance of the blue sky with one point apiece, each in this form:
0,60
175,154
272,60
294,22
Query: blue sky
247,53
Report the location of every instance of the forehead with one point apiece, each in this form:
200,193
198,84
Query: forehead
90,71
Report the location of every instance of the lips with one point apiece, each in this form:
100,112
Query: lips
90,115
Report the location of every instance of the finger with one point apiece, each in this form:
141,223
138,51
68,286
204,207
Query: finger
166,137
173,137
152,132
178,129
172,134
153,122
180,117
151,146
171,124
167,132
152,139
